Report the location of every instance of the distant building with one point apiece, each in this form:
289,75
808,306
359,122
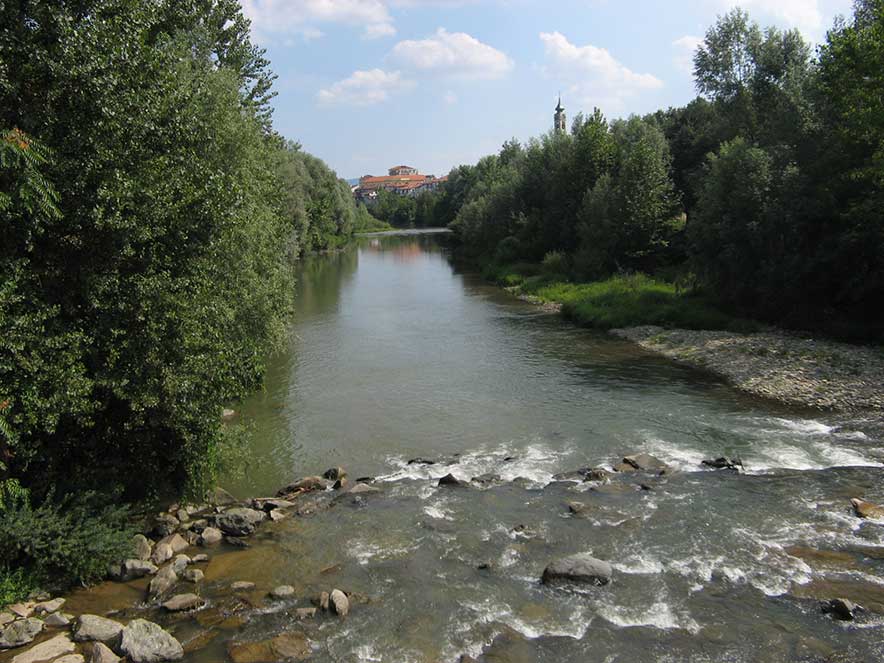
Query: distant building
402,180
402,170
559,123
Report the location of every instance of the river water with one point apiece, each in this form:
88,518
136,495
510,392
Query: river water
397,354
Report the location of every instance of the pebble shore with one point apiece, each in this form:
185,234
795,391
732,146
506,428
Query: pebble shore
805,372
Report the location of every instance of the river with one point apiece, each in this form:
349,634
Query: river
396,354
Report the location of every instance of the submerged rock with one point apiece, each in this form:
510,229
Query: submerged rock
421,461
145,642
242,586
865,509
285,647
582,568
47,651
93,627
486,479
305,613
282,592
20,633
578,508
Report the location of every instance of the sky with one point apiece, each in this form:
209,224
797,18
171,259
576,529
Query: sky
369,84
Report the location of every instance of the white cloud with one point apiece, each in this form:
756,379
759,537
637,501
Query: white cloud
685,47
363,88
594,75
281,17
455,54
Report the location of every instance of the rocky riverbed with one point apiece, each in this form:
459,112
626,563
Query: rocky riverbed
192,590
791,369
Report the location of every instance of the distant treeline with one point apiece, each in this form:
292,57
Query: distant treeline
151,217
766,191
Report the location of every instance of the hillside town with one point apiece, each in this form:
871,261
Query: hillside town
401,180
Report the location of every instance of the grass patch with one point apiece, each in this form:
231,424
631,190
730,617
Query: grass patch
15,585
620,301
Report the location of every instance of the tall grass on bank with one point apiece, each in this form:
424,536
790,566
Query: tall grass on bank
620,301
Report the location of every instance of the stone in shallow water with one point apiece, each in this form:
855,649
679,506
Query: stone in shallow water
283,592
20,633
71,658
210,536
145,642
58,619
450,480
841,609
163,581
137,568
22,609
865,509
287,646
645,462
47,651
194,575
47,607
181,602
242,586
94,627
582,568
339,603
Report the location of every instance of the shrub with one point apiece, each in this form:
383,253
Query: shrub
555,262
70,540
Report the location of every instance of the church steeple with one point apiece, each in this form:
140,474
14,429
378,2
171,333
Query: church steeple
559,123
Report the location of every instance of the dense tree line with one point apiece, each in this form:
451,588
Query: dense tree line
404,211
765,191
150,217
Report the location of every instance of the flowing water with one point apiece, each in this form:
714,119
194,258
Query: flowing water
397,354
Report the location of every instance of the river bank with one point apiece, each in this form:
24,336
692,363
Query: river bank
790,368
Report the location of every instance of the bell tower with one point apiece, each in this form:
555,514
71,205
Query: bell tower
559,118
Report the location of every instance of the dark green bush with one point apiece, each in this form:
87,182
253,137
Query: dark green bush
72,539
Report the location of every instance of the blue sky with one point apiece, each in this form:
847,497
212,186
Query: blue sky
369,84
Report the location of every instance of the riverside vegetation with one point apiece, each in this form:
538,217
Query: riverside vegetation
760,199
151,216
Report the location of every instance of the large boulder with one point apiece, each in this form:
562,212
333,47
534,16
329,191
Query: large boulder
582,568
20,633
865,509
162,552
450,480
239,521
175,541
47,650
99,629
145,642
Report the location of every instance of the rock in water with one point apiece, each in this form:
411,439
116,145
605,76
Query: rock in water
137,568
220,497
645,463
583,568
145,642
175,541
450,480
285,647
242,586
162,552
102,654
47,651
723,463
210,536
841,609
20,633
181,602
93,627
335,473
163,581
339,602
865,509
57,619
71,658
194,575
283,592
239,521
47,607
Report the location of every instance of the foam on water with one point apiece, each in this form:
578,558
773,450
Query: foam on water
536,462
659,615
488,611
